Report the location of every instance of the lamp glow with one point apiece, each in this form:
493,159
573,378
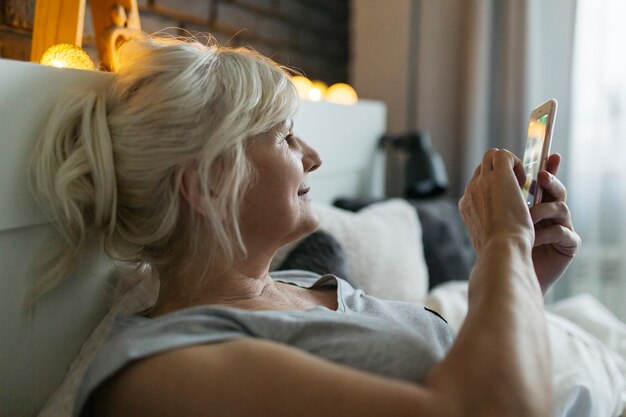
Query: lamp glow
67,55
315,94
303,86
341,93
318,90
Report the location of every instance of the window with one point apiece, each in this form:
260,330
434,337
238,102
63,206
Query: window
597,181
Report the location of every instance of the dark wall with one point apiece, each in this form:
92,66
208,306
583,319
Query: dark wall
311,35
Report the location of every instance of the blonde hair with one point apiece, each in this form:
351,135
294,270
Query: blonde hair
110,163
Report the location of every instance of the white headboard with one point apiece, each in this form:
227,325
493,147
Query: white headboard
34,356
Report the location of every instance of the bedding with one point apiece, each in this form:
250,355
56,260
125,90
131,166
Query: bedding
588,372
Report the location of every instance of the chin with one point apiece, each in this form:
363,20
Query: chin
307,226
310,226
311,219
315,224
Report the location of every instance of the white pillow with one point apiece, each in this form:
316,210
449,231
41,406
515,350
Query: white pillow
586,374
383,245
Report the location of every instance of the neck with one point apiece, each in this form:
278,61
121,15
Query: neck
198,283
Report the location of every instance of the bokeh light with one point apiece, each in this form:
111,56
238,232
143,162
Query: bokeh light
341,93
67,55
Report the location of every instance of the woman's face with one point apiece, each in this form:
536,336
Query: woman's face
276,208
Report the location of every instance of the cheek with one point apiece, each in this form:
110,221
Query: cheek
280,176
271,195
274,188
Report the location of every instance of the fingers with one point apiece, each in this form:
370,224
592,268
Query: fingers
552,215
487,161
476,173
553,206
503,159
493,202
495,158
547,180
561,238
556,212
553,164
552,185
520,174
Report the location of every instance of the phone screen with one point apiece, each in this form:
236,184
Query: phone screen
537,128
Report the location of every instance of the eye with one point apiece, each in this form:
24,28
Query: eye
289,137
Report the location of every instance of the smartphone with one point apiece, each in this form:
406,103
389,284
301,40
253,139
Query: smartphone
540,128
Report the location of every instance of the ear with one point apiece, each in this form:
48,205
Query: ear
190,189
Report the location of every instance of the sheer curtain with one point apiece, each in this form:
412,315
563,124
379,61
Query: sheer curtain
597,169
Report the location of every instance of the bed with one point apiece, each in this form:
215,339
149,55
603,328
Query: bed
42,356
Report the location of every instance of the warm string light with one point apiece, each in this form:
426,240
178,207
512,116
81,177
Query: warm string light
339,93
303,86
67,55
318,90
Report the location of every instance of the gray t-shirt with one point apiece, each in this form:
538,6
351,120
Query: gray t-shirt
389,338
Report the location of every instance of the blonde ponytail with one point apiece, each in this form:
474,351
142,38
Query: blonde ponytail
74,177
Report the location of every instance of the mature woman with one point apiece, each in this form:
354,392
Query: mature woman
190,166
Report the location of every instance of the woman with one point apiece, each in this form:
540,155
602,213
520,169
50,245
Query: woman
190,166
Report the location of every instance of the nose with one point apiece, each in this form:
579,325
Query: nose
311,160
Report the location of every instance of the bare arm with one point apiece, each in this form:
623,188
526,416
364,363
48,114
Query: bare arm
252,377
501,355
500,359
498,365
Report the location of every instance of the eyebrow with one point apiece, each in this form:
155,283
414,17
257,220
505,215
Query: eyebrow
287,124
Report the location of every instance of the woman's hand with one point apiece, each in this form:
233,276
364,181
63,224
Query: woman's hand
556,242
493,205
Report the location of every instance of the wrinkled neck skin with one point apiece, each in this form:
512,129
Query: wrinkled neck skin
245,283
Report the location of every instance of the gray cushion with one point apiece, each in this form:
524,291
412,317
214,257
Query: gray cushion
320,253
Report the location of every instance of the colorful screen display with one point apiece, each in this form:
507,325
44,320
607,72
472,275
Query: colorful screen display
532,156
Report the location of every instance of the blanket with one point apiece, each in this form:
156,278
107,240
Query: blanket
588,346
